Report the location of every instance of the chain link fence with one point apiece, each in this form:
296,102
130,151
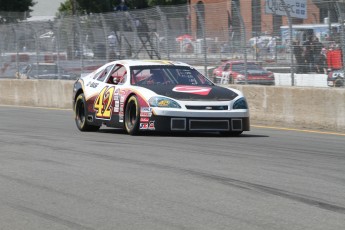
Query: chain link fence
203,35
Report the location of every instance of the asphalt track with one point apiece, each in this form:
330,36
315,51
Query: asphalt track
54,177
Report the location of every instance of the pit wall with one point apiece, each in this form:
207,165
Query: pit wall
309,108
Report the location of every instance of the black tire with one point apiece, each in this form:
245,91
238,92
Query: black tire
80,115
231,133
132,117
339,82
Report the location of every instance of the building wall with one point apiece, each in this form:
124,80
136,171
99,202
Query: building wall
216,17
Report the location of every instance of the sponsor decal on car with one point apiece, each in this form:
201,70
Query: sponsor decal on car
117,104
103,102
122,99
145,114
193,90
144,126
146,109
144,119
152,125
92,84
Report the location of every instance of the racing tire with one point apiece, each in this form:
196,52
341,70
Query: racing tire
80,115
132,117
339,82
231,133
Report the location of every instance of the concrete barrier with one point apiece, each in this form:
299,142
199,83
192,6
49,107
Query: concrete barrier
319,108
40,93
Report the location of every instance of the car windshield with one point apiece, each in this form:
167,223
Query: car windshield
240,67
167,75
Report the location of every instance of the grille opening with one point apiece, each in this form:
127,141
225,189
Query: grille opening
236,125
214,125
178,124
207,107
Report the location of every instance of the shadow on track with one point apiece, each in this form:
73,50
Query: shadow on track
178,134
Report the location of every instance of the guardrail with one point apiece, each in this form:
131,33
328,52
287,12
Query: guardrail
315,108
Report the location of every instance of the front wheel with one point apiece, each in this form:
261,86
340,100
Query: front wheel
132,117
80,115
339,82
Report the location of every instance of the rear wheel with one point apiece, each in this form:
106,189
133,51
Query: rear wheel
132,117
80,115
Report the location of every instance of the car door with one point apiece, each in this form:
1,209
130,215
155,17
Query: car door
99,96
106,103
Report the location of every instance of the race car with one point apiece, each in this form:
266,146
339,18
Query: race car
336,78
157,95
233,72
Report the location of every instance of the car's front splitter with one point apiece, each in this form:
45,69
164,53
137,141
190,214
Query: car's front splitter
194,124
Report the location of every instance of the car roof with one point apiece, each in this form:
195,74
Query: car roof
130,63
239,62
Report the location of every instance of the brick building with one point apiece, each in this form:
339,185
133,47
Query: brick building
222,21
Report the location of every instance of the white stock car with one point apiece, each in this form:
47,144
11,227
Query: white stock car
157,95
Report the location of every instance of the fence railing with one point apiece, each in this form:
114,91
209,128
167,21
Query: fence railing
199,34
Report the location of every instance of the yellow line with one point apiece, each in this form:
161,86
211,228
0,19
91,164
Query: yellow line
299,130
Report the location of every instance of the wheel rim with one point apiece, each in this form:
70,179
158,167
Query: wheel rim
131,115
80,113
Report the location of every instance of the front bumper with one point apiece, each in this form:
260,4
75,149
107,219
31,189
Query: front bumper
196,120
196,124
255,82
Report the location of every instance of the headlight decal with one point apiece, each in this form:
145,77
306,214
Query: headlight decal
163,102
240,104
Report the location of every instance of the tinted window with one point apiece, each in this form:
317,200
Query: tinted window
103,74
167,75
240,67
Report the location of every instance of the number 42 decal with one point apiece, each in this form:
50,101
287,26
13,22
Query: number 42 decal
103,103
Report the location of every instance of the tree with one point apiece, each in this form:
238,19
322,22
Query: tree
166,2
100,6
15,10
88,6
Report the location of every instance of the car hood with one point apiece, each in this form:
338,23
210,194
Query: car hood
190,92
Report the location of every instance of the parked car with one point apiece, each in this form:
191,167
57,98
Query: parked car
335,78
44,71
155,95
233,72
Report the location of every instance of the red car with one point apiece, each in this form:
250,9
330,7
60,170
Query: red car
233,72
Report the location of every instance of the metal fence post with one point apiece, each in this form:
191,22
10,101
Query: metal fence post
104,26
291,42
57,44
16,45
164,23
204,44
244,39
342,30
